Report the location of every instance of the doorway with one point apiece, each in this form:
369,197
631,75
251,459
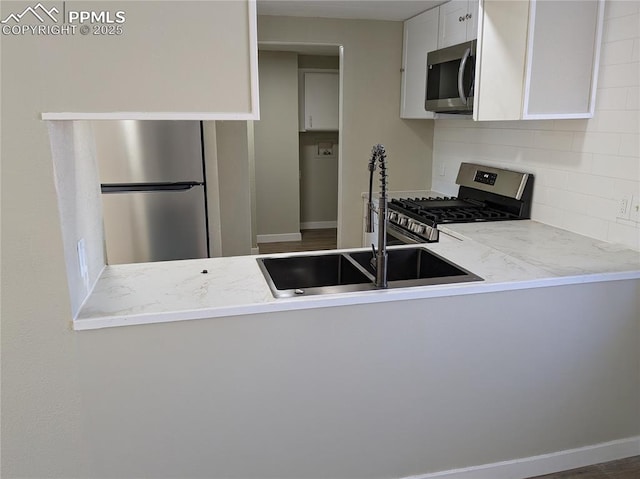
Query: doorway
309,220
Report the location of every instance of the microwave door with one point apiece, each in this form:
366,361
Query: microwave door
450,78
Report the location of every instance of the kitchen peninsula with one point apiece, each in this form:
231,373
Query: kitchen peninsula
534,369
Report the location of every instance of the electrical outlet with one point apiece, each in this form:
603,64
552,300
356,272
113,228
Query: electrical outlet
634,214
443,170
624,207
82,260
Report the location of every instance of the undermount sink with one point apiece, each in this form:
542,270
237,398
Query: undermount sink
417,264
303,274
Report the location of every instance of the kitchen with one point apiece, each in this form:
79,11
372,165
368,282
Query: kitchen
60,419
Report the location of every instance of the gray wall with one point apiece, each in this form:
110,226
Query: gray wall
229,169
318,179
371,108
145,69
371,391
276,145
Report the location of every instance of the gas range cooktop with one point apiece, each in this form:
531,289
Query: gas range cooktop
451,210
486,194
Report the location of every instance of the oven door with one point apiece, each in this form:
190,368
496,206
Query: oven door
397,236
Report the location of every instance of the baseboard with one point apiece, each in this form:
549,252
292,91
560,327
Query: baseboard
255,250
544,464
278,238
318,225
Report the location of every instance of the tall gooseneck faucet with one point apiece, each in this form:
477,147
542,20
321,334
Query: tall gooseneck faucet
379,154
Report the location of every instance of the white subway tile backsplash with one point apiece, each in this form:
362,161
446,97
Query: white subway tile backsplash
612,99
635,54
585,225
508,137
624,186
547,214
626,234
622,121
633,98
552,178
620,8
623,167
617,52
553,140
592,185
596,142
624,74
620,28
630,145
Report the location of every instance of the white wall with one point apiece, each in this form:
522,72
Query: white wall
79,202
276,145
582,167
371,108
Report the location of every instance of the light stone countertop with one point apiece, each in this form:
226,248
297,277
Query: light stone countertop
507,255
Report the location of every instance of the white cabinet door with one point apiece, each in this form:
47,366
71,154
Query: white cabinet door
458,22
321,98
471,19
568,48
538,60
420,37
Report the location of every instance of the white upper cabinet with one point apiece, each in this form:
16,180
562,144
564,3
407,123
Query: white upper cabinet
321,101
420,37
537,59
458,22
563,48
152,70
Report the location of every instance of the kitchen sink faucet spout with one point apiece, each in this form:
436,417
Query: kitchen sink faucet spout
379,154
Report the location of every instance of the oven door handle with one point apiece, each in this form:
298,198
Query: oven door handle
463,64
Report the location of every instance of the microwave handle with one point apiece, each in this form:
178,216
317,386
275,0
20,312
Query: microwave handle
463,63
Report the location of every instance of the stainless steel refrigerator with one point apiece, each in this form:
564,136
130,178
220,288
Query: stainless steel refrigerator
153,190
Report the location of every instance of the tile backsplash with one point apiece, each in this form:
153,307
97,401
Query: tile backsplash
583,168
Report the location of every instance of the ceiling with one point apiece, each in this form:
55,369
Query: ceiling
396,10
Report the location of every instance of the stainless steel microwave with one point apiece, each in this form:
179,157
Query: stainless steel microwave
450,78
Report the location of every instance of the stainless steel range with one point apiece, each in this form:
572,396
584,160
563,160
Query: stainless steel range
485,194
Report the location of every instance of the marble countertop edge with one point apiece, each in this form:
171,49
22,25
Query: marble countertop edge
344,299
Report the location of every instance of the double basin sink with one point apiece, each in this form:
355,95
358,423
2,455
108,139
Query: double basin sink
332,272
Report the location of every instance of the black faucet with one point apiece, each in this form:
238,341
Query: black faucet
380,255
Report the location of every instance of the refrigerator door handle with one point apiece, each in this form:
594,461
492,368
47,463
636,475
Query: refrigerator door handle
108,188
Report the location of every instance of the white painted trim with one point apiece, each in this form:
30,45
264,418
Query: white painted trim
255,250
158,115
529,60
557,116
545,463
253,61
596,57
277,238
318,225
341,135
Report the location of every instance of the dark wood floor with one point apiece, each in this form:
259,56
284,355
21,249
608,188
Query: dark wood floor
312,240
628,468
